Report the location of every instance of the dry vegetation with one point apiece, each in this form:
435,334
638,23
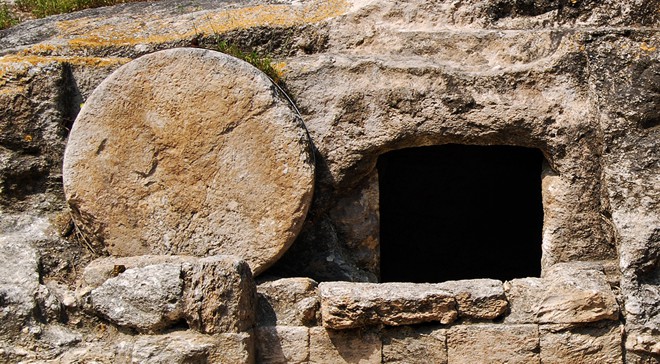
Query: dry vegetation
21,10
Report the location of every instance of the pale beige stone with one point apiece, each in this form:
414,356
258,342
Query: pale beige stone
233,348
147,299
566,295
328,346
104,268
287,302
478,299
588,344
414,345
347,305
219,295
493,343
189,151
213,294
177,347
189,347
644,343
282,344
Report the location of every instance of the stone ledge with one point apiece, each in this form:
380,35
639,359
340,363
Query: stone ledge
568,294
346,305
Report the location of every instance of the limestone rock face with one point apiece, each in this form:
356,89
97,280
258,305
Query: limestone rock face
193,152
347,305
578,80
147,299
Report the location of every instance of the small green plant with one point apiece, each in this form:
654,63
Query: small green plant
263,63
7,17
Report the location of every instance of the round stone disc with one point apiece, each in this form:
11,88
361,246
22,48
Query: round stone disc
190,152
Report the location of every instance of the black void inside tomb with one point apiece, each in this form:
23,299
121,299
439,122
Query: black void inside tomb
451,212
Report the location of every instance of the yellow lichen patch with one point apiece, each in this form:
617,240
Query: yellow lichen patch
17,61
15,67
39,49
647,48
280,68
156,30
12,90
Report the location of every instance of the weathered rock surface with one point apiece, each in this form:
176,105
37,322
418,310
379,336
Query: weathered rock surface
493,344
346,305
414,345
566,295
345,346
213,294
589,344
102,269
220,295
174,347
24,300
578,80
282,344
287,302
147,299
180,177
648,344
478,299
19,282
189,347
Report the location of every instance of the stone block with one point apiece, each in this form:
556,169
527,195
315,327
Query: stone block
214,294
561,297
232,348
327,346
189,347
287,302
219,295
583,344
347,305
282,344
493,343
478,299
147,299
414,345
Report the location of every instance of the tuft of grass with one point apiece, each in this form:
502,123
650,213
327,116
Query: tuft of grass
7,17
43,8
261,62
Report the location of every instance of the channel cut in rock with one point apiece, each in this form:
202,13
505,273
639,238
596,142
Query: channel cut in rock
460,212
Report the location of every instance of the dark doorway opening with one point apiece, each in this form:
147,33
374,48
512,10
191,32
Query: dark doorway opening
453,212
